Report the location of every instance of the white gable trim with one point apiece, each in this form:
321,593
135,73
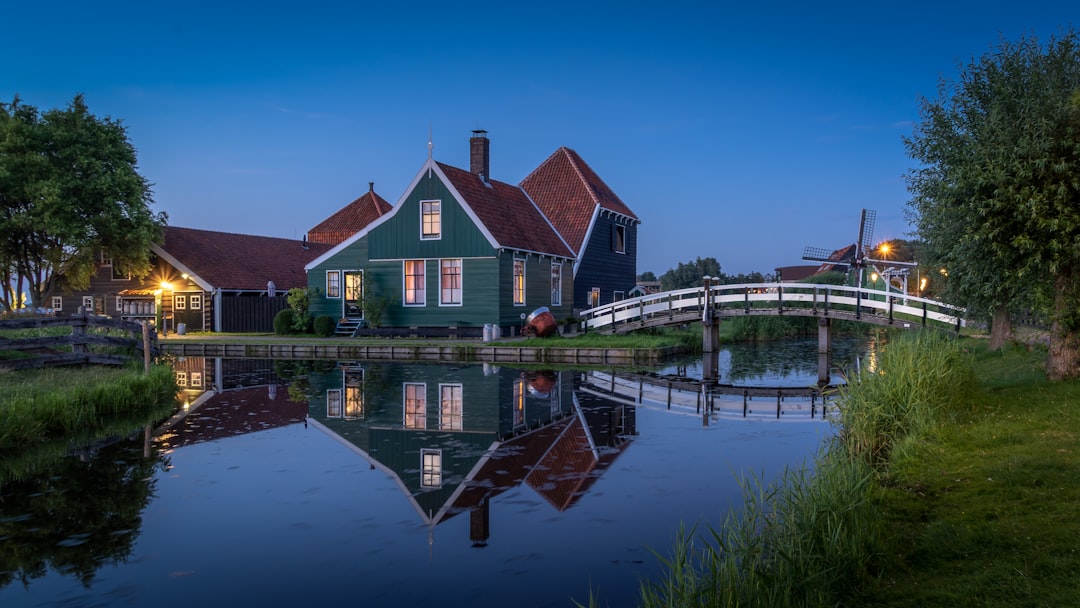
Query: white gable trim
175,263
585,241
465,205
366,229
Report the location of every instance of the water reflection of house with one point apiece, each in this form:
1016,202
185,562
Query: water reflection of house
227,397
455,437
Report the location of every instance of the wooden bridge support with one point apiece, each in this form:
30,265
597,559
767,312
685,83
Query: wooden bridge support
824,349
710,345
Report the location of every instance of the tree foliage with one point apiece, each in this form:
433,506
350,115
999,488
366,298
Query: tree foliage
69,190
996,199
689,274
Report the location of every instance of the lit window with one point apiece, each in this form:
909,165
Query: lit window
414,283
196,379
430,468
354,393
519,282
415,406
333,403
450,407
179,302
195,302
618,239
181,378
450,281
556,284
519,402
333,284
430,219
57,303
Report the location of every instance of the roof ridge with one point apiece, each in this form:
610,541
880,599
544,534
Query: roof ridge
573,163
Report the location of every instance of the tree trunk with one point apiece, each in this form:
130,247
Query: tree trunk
1001,329
1064,360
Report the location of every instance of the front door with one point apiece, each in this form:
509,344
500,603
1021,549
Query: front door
354,295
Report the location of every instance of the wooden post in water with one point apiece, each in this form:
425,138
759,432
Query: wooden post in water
710,337
824,350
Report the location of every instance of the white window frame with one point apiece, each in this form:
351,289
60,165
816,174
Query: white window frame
619,246
414,405
518,283
456,294
195,301
196,379
431,468
119,304
431,209
181,378
333,287
419,297
618,296
88,304
333,403
106,258
556,284
57,303
451,407
179,301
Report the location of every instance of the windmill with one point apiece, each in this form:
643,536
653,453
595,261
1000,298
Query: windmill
857,255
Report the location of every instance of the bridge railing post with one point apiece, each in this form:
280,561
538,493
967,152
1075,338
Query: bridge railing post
891,301
746,299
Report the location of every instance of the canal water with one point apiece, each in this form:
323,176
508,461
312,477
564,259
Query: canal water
389,484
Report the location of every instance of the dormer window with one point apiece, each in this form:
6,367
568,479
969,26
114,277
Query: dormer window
430,220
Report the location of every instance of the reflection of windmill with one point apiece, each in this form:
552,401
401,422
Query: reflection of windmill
857,255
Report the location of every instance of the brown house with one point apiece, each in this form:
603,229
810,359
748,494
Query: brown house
205,280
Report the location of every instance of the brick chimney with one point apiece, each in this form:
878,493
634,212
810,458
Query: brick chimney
480,154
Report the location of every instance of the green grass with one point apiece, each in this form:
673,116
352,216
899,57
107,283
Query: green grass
985,513
42,405
955,482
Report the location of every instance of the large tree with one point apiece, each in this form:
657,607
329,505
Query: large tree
69,190
996,199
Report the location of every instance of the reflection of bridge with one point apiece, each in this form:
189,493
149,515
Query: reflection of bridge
687,396
712,303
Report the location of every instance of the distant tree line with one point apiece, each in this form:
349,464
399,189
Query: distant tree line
692,273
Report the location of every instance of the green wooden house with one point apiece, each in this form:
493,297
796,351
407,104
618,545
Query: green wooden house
457,252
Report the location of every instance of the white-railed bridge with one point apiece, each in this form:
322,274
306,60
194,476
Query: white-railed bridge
825,302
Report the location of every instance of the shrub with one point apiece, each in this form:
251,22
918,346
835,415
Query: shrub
284,322
325,326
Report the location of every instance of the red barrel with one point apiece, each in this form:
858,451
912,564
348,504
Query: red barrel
541,322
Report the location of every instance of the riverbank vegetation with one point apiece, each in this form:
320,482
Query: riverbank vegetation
954,480
39,406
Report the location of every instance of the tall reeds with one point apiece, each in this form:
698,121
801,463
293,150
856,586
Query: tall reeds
918,379
813,537
42,405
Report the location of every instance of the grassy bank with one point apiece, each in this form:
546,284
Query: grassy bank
985,511
45,405
955,481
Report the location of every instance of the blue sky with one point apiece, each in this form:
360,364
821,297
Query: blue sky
740,131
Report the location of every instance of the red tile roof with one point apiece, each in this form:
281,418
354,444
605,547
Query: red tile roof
350,219
236,412
241,261
507,213
568,191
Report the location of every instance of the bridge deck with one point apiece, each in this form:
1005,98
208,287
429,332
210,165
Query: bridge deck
863,305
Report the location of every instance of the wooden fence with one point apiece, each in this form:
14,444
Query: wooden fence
92,339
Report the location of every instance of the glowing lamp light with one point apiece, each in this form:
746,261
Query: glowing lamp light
166,286
874,277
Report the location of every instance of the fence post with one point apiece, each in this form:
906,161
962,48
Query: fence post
146,346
